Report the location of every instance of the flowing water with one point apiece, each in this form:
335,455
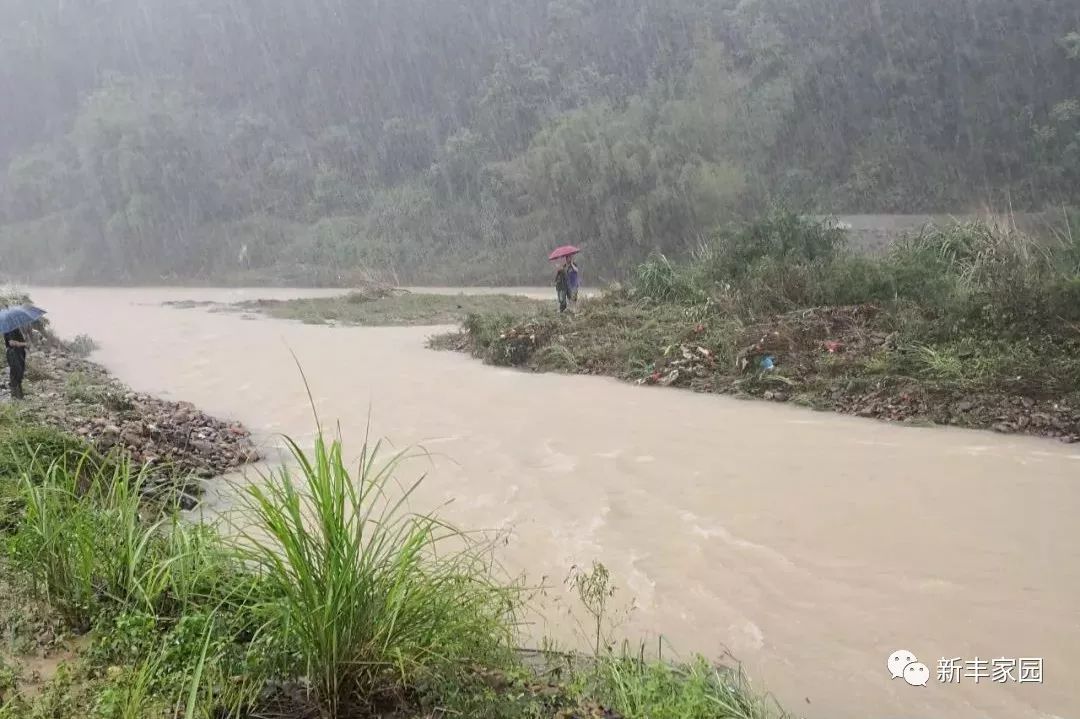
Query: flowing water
811,546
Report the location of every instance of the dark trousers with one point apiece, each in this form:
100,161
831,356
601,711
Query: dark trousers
16,360
564,297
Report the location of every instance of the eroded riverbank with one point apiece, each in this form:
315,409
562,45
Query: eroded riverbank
810,545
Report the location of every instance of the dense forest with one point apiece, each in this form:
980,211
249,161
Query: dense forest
456,140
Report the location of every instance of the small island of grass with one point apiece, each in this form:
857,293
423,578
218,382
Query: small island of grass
967,325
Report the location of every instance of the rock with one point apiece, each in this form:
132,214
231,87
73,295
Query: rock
131,437
965,406
203,446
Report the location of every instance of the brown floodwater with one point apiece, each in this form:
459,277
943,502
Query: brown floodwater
810,546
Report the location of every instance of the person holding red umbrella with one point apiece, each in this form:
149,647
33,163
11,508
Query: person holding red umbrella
567,277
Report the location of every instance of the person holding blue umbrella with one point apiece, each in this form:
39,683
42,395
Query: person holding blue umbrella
12,320
16,345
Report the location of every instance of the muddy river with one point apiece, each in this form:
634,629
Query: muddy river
810,546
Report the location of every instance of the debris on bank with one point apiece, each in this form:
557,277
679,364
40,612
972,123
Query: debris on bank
847,359
81,398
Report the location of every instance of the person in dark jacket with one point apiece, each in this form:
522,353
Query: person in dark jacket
562,287
15,342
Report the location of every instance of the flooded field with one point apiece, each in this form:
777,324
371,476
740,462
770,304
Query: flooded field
810,546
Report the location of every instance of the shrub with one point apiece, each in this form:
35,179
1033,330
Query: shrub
782,237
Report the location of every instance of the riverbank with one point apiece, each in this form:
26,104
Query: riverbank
749,502
115,606
967,326
172,443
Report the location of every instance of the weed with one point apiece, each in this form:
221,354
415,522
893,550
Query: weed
642,689
556,357
364,592
78,388
594,589
81,346
658,280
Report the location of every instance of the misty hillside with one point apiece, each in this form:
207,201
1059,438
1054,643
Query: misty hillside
455,141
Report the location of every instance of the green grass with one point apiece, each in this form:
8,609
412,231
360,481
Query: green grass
335,601
396,309
656,690
369,594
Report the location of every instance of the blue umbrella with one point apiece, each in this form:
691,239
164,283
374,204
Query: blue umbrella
12,318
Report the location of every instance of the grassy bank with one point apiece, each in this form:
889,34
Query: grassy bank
969,325
336,601
386,307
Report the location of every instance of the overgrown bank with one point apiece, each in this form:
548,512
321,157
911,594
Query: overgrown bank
968,325
334,601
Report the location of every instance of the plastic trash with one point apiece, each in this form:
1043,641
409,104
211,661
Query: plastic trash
768,362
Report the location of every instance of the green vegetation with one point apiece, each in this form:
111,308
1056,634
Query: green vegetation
389,307
967,324
453,142
333,600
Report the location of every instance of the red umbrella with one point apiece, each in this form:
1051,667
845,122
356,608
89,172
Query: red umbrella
564,251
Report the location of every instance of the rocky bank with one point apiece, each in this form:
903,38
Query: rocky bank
174,440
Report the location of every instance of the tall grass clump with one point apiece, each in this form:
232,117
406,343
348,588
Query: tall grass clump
369,595
658,280
91,544
642,689
989,280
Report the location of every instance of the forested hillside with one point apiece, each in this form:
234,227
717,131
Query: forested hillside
456,140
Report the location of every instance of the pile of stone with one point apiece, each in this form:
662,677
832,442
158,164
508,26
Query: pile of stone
80,397
171,435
